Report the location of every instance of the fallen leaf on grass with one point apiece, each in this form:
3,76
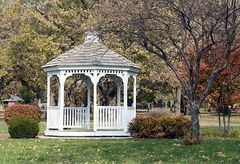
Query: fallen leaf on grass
220,154
205,157
35,148
175,144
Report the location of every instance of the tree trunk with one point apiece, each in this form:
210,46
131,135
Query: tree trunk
229,117
195,128
224,126
219,120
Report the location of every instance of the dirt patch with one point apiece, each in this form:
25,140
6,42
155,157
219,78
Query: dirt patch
4,136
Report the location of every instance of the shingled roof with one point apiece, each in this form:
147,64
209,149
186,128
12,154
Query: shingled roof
91,53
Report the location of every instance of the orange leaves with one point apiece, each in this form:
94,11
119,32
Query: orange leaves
159,125
19,110
226,84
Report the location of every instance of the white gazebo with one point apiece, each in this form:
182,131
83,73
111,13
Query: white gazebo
91,61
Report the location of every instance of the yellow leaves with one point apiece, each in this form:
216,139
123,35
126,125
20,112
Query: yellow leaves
35,148
11,10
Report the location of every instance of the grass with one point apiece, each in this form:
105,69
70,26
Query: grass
209,120
117,151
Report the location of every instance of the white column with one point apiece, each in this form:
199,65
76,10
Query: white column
125,96
48,89
134,91
95,106
88,103
62,79
48,97
95,80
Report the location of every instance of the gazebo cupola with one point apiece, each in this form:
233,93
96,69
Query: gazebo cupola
91,61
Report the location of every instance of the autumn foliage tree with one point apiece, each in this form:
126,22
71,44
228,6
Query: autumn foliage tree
225,89
166,28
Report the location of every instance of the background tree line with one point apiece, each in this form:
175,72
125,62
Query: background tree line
34,32
178,43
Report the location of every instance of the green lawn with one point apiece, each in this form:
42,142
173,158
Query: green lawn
117,151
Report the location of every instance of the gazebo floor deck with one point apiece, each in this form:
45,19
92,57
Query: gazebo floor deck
86,133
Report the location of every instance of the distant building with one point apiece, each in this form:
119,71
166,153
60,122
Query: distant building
12,100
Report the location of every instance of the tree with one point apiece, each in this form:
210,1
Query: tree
155,81
32,33
225,88
167,28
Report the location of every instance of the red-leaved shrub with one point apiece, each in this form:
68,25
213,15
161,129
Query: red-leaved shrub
159,125
145,127
23,111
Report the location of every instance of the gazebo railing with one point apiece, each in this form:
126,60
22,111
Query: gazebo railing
75,117
53,117
109,117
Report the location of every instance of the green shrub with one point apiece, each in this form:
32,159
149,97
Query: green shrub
145,127
159,126
19,110
22,127
234,133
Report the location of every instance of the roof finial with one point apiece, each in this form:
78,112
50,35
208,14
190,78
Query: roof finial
91,36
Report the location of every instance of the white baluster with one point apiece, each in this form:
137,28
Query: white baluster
71,117
111,120
114,115
104,117
107,121
81,113
110,116
107,111
119,118
101,117
74,114
84,116
78,115
64,117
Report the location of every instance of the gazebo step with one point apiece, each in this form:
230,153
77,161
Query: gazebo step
56,133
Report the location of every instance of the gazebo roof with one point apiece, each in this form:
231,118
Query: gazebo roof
91,53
